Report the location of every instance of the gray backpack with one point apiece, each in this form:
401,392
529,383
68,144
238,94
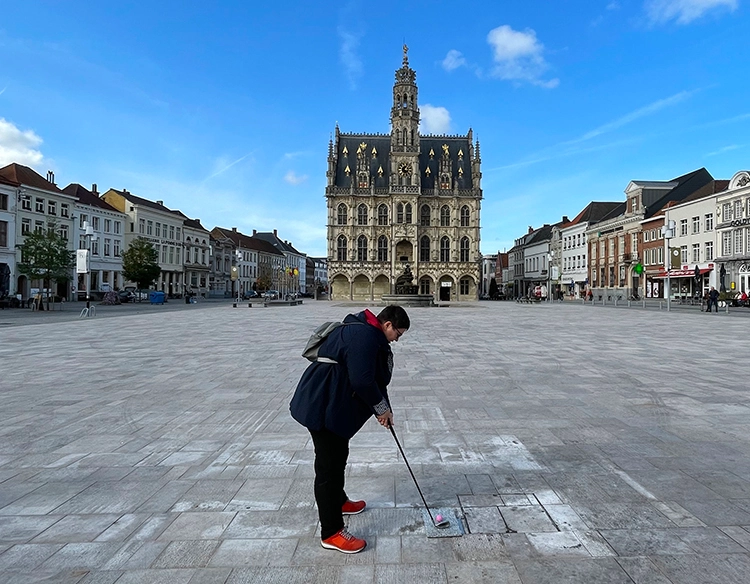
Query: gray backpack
316,339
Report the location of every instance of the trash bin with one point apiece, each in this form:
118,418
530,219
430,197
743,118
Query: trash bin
156,297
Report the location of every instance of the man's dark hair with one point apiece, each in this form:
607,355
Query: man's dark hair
396,315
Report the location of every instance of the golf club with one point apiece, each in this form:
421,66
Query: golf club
439,524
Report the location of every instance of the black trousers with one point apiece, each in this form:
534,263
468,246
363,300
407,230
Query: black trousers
331,453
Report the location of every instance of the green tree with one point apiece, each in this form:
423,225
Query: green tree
494,292
45,256
140,263
264,282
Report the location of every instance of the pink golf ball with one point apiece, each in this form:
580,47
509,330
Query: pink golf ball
439,518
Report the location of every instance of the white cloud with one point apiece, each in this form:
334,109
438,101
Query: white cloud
684,11
613,5
634,115
19,146
724,149
453,60
294,179
518,56
348,55
434,119
222,166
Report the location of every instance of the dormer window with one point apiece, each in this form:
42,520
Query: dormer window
633,204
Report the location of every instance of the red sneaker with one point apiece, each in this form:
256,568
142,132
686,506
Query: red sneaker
353,507
345,542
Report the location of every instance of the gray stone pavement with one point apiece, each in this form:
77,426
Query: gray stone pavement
578,444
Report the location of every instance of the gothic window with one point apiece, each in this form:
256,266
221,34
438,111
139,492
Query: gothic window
400,213
424,249
424,216
361,248
363,182
464,249
412,136
382,215
362,214
408,212
342,212
445,249
341,249
464,216
398,136
445,216
464,285
424,286
445,181
382,248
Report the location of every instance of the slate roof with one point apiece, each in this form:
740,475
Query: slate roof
26,176
86,197
381,159
241,240
595,211
9,182
194,223
687,184
283,246
146,203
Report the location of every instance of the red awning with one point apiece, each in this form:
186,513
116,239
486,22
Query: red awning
682,273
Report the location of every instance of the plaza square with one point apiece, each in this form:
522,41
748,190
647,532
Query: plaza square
577,443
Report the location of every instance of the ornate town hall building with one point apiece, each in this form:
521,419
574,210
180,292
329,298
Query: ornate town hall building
403,199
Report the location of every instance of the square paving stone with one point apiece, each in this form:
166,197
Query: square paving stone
645,542
197,525
530,519
379,522
484,520
482,573
76,528
186,554
26,557
572,570
254,552
273,524
260,495
20,529
208,495
173,576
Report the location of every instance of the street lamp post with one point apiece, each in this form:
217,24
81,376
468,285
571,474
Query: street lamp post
668,231
83,266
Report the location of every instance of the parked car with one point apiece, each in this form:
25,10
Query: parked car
126,296
248,294
271,294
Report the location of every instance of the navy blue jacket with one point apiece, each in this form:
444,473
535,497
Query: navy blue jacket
341,397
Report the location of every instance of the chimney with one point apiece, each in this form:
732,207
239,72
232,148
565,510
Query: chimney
93,189
565,219
50,176
531,229
234,229
275,234
255,232
160,203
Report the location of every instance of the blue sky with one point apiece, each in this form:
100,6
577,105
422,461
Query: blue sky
225,111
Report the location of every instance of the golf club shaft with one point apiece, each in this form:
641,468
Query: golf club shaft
401,450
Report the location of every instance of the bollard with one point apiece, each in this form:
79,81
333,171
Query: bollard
660,304
644,303
628,303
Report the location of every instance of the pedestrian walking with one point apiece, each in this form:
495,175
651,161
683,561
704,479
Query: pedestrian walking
713,299
334,398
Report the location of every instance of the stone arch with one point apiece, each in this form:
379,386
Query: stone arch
381,285
340,287
446,293
471,292
426,285
361,287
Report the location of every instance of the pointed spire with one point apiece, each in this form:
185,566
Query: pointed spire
406,55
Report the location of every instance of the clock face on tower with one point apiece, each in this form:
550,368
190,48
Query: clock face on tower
405,169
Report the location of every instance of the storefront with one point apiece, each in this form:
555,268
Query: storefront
684,284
